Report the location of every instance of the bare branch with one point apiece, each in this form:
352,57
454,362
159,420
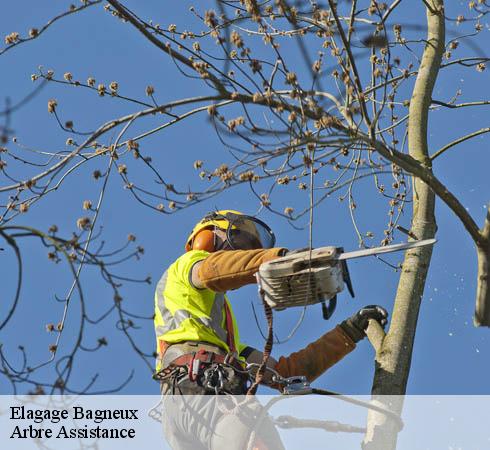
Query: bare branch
458,141
36,33
130,17
376,335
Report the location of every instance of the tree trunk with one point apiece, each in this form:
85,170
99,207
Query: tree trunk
482,312
394,357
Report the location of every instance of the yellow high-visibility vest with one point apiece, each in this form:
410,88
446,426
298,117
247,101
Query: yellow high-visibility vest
185,313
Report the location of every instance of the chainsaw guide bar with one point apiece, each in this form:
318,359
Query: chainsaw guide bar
313,276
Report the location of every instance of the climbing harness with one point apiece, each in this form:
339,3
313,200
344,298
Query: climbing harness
205,370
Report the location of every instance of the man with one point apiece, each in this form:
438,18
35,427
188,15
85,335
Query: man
192,313
198,342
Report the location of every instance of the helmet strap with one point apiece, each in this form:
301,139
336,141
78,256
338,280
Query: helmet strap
221,244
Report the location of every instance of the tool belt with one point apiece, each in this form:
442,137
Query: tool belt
209,370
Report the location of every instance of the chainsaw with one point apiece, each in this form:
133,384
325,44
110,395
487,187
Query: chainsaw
307,277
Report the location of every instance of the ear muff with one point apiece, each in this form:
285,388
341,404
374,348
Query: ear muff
204,240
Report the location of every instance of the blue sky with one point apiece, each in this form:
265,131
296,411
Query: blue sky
450,355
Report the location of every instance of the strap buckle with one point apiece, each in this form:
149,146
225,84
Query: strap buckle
297,385
202,356
230,358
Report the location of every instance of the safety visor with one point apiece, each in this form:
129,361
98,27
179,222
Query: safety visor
248,233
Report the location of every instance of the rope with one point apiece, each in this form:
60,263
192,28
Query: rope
268,343
394,416
288,422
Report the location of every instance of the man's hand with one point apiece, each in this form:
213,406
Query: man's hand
355,326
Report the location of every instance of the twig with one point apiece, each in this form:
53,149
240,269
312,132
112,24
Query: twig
458,141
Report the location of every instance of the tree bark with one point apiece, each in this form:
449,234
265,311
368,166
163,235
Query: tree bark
393,360
482,311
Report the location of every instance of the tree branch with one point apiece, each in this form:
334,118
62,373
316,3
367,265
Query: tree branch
458,141
375,335
409,164
107,127
37,33
460,105
127,15
404,161
352,63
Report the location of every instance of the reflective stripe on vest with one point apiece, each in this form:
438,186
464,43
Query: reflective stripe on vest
173,321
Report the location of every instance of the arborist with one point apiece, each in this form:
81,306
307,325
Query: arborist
198,341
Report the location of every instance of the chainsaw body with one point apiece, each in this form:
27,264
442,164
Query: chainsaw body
298,280
315,276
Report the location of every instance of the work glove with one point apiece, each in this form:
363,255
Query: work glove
355,326
230,269
317,357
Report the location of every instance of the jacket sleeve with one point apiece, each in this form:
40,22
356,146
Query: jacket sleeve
317,357
231,269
